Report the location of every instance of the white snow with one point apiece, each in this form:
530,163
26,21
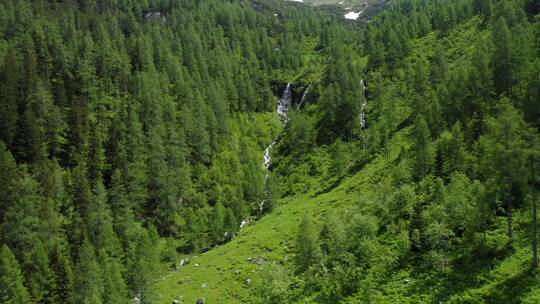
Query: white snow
352,15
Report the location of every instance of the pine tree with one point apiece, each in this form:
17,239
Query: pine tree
8,97
502,74
145,266
114,285
11,279
62,267
503,161
422,148
88,282
307,251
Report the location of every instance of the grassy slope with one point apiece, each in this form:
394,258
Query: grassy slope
504,279
225,268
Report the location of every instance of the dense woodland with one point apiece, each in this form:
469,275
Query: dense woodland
132,133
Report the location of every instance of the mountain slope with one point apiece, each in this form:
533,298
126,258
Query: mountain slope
224,270
435,237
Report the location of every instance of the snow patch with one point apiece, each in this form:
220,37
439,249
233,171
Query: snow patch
352,15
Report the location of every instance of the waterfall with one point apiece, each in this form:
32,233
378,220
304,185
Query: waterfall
283,107
266,155
304,96
284,103
363,118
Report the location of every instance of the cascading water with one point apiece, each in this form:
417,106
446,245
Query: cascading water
304,96
284,103
363,118
283,107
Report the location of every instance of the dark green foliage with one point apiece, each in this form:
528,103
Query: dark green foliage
62,267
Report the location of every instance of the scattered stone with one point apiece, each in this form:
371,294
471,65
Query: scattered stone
175,302
248,282
196,264
203,285
259,261
200,301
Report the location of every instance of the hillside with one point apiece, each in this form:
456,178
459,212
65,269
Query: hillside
269,151
259,264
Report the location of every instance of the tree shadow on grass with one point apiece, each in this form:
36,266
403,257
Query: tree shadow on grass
510,290
465,275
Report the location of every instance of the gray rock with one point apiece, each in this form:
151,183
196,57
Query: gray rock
248,282
200,301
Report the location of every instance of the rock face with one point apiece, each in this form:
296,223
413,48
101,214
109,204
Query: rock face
155,16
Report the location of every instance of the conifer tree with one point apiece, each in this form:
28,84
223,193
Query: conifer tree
88,279
503,162
11,279
307,251
62,268
502,73
422,148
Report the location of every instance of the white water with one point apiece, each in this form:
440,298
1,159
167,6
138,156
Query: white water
303,96
363,119
282,109
284,104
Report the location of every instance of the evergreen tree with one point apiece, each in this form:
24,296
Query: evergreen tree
502,73
9,97
88,282
11,279
63,275
503,161
307,251
422,148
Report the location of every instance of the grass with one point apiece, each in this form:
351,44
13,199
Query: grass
224,270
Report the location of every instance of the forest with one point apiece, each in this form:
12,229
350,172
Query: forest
267,151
